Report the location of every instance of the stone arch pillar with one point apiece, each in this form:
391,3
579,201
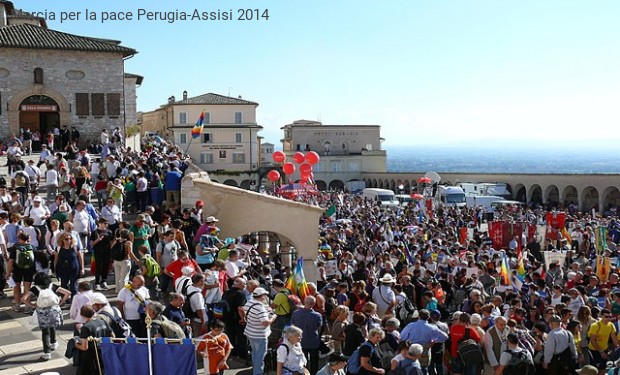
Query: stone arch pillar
64,109
242,211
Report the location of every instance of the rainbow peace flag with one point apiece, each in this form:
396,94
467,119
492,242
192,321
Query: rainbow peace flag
520,264
197,129
296,283
504,272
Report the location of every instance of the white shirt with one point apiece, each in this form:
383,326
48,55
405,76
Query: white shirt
112,214
383,296
131,305
38,214
33,172
80,221
79,300
197,302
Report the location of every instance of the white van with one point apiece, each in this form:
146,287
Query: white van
403,199
387,197
451,196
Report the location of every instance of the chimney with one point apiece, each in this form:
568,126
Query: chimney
171,99
240,97
184,95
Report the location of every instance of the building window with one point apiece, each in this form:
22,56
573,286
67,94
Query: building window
114,104
38,76
207,118
238,158
182,117
222,154
207,138
98,103
82,104
354,166
238,138
183,138
335,166
238,118
206,158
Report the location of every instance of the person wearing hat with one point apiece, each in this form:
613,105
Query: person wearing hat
560,347
384,296
34,173
335,365
257,327
207,227
197,212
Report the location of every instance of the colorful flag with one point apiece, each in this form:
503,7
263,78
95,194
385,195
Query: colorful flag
600,235
296,283
520,264
197,129
408,255
504,272
603,266
331,212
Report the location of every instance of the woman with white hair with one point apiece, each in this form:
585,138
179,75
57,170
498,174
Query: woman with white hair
289,355
370,360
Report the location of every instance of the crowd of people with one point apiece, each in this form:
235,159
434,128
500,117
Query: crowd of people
396,292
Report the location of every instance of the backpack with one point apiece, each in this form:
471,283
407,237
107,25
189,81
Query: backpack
469,351
24,256
2,181
152,267
403,368
386,352
21,179
118,251
354,364
359,304
47,298
72,182
404,311
187,306
293,302
170,328
519,364
119,326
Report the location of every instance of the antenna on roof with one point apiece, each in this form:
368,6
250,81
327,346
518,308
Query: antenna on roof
229,90
318,116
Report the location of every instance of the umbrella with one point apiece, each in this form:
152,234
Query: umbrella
424,180
417,197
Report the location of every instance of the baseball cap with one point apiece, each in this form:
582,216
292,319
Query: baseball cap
98,299
260,292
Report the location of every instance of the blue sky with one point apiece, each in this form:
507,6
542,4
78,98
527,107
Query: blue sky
428,72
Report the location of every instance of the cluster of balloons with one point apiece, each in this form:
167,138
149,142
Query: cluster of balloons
305,165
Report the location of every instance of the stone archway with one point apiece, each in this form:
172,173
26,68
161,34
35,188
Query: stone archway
520,193
589,199
610,198
64,110
552,195
242,211
230,183
569,195
336,185
246,184
321,185
535,194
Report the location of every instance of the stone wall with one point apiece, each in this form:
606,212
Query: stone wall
242,211
64,74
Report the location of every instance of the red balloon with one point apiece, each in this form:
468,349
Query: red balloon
278,156
288,168
312,157
304,179
273,175
299,157
305,169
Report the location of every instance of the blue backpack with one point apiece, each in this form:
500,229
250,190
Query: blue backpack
354,364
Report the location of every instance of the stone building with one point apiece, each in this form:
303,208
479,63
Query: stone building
346,151
53,79
229,145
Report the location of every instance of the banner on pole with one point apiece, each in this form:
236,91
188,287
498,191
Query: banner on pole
554,257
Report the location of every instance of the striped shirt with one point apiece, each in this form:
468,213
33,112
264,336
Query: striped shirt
255,315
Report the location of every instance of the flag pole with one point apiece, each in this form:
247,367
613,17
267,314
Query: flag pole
199,123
